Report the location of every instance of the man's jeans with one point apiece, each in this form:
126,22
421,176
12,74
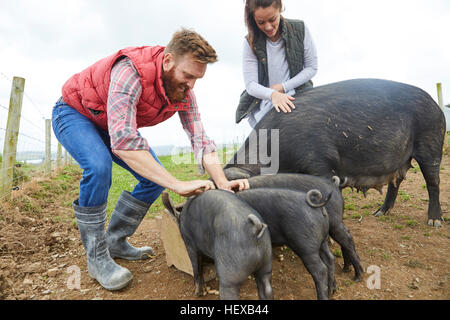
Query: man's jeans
90,146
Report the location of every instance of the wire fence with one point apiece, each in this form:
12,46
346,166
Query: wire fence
26,145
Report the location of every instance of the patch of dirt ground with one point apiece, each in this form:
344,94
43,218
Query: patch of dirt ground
41,251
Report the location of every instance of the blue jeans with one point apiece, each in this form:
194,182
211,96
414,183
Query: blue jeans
90,146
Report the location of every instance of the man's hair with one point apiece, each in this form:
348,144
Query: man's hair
188,41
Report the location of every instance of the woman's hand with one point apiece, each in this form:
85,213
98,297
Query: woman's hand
282,101
191,188
278,87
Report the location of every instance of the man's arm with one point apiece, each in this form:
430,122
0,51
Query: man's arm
124,93
143,163
205,149
214,168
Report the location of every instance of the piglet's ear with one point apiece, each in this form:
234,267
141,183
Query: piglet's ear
168,204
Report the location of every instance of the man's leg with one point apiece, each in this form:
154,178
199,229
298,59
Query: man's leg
81,139
128,214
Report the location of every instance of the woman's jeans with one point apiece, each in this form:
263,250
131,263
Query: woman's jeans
90,146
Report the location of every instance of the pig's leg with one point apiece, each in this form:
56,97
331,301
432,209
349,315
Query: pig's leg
230,279
263,282
340,233
328,259
428,154
319,272
309,253
228,292
197,268
389,201
431,175
347,261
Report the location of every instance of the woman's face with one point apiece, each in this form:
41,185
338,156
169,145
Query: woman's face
268,21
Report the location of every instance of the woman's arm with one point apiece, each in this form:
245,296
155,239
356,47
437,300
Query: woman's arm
250,69
281,101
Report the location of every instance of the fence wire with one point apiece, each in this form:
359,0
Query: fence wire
30,142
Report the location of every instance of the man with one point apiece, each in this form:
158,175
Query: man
96,120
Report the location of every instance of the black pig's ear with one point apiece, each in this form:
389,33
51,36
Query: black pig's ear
168,204
259,226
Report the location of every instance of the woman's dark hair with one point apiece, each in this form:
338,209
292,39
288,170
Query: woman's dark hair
250,8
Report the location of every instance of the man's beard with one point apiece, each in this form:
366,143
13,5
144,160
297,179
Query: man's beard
171,86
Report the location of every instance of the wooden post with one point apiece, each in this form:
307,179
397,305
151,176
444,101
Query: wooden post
11,136
439,93
48,148
58,156
441,104
66,160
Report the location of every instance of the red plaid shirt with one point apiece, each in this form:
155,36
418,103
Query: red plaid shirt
124,93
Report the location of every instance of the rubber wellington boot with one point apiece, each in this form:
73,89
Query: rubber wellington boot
125,219
91,224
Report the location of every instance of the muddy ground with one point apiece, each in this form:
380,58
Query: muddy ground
41,251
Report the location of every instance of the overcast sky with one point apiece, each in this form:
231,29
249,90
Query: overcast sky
48,41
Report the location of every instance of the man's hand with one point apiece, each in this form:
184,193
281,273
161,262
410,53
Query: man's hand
234,185
191,188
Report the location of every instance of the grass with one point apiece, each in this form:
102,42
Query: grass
350,206
411,223
337,253
37,198
415,168
386,256
404,196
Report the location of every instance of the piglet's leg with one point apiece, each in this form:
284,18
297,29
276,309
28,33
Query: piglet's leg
197,268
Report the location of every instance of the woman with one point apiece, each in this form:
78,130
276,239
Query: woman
279,60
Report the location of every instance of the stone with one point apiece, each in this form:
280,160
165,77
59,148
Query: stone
33,268
52,272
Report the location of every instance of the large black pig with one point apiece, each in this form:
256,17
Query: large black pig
364,130
219,225
335,208
295,219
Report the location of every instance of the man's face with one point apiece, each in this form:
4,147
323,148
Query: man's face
180,74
